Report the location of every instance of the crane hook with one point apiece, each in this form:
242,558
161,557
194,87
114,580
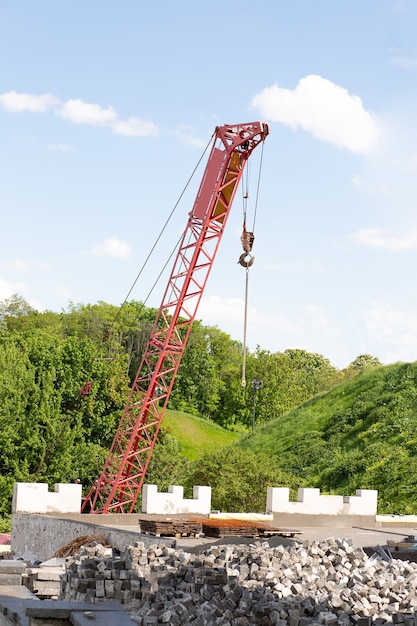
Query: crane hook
247,238
244,261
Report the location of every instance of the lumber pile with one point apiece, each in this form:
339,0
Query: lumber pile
229,528
170,527
222,527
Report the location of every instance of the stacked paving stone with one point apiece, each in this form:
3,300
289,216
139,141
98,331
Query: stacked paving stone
45,579
324,583
11,572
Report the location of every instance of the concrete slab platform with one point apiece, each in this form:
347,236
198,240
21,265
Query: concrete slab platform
360,537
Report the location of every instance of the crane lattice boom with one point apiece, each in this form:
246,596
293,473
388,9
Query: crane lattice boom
120,482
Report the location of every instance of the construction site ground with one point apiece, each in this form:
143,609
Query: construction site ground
45,534
385,530
364,533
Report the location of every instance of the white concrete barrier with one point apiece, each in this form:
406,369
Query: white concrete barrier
173,501
66,498
35,498
311,502
365,502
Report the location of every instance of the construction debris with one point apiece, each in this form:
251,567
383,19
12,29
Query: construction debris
73,546
324,583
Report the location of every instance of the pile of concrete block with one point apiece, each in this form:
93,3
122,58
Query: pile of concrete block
44,580
323,583
11,572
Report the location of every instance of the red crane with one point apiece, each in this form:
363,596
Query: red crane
120,482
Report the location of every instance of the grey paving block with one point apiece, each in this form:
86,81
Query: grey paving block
12,567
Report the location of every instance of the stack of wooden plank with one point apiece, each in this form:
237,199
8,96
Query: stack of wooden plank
229,528
239,528
165,526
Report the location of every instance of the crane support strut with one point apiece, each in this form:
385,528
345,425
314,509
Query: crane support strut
119,485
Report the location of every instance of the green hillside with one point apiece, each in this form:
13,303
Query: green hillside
360,435
195,435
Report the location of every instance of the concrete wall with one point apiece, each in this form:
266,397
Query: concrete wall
36,498
43,535
311,502
173,501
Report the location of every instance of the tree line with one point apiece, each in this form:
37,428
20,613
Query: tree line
53,432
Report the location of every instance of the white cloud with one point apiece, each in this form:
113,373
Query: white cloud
14,102
81,112
406,62
399,7
324,109
61,147
308,329
134,127
372,189
114,247
378,238
8,289
23,265
188,136
396,329
78,112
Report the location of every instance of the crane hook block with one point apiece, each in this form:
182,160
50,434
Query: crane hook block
247,238
244,261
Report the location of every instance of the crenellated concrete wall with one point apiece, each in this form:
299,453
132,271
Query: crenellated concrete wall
173,501
311,502
66,498
36,498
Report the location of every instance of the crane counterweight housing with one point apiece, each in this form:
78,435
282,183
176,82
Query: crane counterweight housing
119,485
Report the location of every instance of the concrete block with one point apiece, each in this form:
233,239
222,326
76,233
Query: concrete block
12,567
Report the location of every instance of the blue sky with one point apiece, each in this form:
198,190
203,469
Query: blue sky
106,107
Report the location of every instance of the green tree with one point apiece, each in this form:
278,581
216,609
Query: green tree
239,479
362,363
47,428
288,379
114,330
197,385
167,465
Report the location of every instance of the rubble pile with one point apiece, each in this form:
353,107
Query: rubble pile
328,582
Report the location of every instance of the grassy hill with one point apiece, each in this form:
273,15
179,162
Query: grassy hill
360,435
195,435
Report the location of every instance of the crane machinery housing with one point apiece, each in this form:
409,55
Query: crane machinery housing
120,482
